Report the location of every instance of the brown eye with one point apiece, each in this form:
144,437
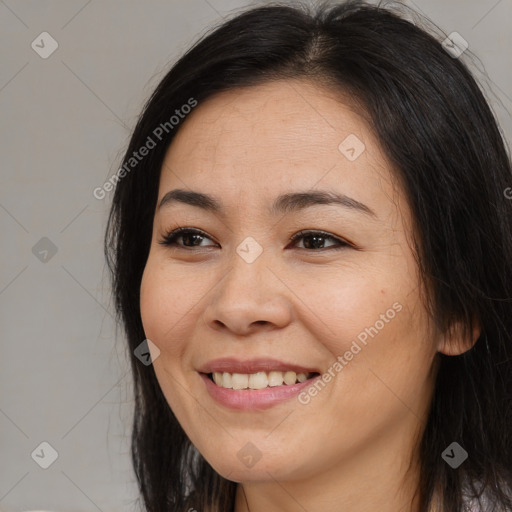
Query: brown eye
190,238
316,240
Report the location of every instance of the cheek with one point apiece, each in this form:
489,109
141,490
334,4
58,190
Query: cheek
341,305
376,322
167,301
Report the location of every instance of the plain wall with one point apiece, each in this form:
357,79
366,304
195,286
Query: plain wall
65,121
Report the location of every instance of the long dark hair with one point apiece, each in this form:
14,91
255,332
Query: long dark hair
436,128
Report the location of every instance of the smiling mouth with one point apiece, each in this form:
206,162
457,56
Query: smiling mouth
259,380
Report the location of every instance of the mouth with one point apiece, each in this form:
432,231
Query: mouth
259,380
256,391
255,384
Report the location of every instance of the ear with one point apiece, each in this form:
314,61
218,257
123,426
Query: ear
455,342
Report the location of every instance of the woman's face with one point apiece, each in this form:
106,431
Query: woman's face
243,298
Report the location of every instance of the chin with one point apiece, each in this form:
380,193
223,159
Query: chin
264,469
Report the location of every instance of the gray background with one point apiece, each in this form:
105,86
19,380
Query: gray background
65,121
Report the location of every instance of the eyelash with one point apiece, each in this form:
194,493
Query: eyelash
170,239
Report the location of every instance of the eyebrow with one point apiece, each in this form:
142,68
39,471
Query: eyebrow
283,204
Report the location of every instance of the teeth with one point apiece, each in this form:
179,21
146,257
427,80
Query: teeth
275,379
301,377
259,380
217,378
239,381
227,380
290,378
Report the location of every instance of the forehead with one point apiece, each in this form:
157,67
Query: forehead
265,139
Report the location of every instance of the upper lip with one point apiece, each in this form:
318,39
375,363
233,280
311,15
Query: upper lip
233,365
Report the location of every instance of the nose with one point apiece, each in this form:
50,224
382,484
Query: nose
250,297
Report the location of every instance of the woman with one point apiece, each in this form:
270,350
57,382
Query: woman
310,240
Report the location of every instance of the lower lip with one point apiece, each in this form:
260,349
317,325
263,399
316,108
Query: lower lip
254,399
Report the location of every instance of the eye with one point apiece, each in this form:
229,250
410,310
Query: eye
191,238
317,240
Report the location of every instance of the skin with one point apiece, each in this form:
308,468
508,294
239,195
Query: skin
353,447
